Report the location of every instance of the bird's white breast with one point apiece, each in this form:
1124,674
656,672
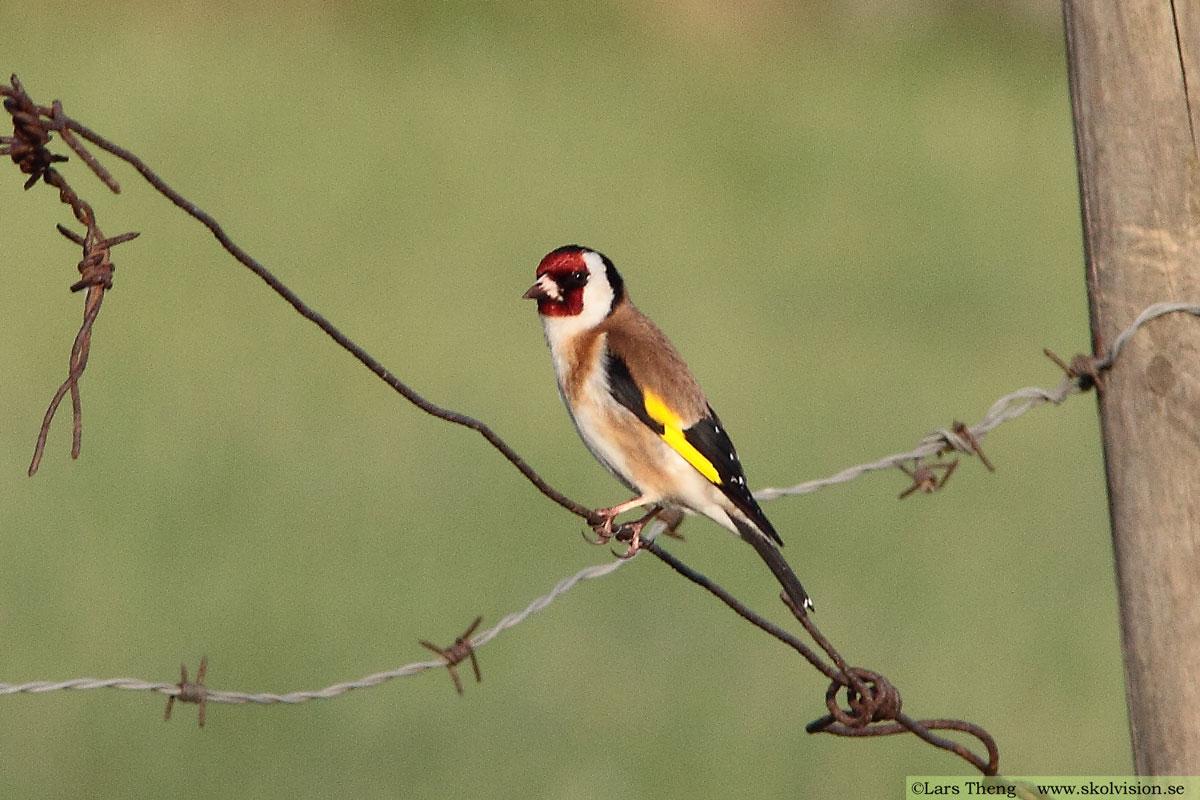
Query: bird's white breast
589,402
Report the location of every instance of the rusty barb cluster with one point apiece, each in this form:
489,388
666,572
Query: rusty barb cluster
28,147
925,477
1082,368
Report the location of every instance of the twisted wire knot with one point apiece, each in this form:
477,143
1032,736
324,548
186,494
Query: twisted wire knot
879,701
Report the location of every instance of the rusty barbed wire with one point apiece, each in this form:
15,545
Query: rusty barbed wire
33,129
873,704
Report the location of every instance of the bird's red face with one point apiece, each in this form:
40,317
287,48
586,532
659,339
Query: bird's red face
562,277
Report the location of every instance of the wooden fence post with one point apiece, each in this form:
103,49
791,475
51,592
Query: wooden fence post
1134,68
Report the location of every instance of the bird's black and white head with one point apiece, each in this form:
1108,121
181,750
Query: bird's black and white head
576,289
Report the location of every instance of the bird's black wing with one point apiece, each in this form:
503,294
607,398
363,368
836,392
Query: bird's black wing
709,438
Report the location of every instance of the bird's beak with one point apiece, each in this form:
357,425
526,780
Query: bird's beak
545,288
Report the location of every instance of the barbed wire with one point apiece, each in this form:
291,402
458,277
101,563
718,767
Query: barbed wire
1007,408
871,698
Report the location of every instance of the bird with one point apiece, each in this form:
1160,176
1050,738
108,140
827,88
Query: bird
640,411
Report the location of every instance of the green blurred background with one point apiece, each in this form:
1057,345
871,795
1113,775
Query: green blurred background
858,223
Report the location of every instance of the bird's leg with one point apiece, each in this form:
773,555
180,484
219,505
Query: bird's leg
672,519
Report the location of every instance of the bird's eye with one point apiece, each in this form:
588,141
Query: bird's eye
574,279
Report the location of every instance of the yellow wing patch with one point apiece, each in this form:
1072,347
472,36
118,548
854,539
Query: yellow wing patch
673,435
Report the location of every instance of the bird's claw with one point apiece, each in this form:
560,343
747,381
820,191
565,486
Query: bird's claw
604,532
635,543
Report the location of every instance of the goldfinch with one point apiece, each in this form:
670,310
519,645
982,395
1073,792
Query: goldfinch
640,411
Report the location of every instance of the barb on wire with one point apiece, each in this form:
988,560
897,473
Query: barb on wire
1082,367
969,444
190,691
458,652
924,477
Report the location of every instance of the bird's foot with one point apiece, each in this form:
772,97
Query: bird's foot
672,518
630,532
603,530
635,533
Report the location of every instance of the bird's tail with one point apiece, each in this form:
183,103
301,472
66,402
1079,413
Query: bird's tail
770,554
